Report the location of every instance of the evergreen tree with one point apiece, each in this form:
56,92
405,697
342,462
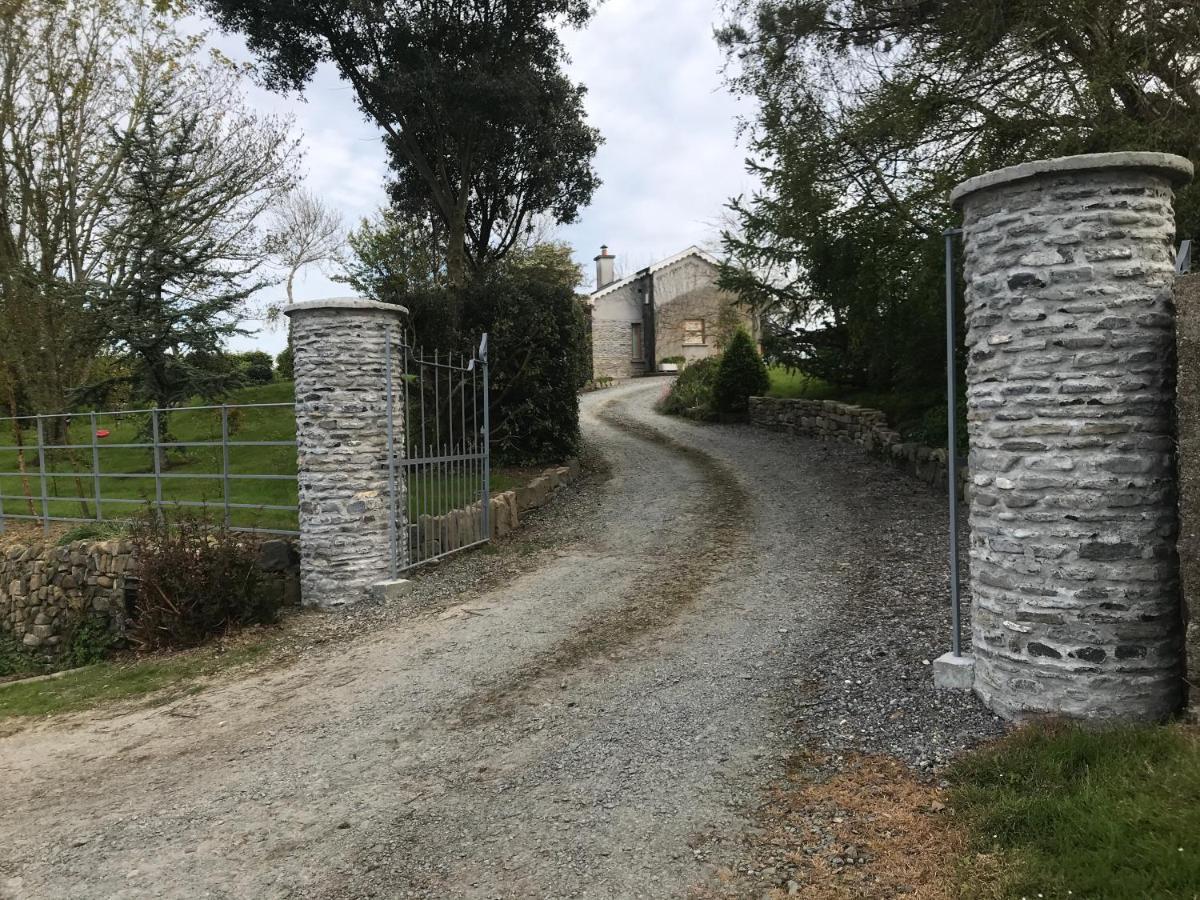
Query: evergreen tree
740,376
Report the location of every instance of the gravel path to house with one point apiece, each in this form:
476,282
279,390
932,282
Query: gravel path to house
576,713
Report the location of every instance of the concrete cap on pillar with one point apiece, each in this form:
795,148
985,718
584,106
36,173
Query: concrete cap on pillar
347,303
1175,168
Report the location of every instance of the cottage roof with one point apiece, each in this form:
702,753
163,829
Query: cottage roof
656,267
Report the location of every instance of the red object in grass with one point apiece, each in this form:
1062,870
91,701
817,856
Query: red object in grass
103,433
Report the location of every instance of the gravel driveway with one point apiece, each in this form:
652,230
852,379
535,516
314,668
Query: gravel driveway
575,714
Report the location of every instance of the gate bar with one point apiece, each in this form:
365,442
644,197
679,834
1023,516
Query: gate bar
487,441
393,554
952,439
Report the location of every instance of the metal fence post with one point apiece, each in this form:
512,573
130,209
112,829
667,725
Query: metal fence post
41,436
487,441
952,439
154,429
393,548
95,465
225,463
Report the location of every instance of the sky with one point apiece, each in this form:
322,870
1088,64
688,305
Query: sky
669,164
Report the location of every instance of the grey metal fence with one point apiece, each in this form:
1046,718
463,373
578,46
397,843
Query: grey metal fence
441,471
238,459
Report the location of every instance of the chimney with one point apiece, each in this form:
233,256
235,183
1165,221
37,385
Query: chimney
605,268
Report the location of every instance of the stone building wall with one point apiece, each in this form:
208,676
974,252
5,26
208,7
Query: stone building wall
46,592
845,423
688,290
1074,575
1187,304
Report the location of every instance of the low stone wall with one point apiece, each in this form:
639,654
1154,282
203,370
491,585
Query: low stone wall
46,592
431,536
845,423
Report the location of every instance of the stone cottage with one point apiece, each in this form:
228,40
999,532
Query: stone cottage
668,310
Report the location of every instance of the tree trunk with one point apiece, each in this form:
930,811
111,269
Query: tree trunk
20,444
456,248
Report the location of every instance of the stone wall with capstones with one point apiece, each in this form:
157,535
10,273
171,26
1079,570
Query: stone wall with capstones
342,409
1187,306
846,423
1070,389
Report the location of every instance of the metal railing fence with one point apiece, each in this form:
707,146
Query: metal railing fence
443,464
100,466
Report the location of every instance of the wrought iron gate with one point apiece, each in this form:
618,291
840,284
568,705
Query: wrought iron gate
440,464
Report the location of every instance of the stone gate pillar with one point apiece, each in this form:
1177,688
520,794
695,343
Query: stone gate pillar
1070,386
341,361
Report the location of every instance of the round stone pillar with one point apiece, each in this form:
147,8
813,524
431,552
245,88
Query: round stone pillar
347,518
1070,393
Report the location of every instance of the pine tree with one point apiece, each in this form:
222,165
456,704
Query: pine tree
741,375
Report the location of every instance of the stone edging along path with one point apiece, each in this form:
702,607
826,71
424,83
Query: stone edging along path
829,420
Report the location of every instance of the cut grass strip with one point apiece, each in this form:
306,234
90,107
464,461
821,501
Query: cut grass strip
121,680
1076,812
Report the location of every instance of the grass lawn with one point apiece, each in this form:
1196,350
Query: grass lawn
122,679
194,472
1073,812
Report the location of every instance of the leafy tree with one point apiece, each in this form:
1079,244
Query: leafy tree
537,331
869,111
484,130
401,259
285,364
67,78
305,232
186,253
740,376
256,367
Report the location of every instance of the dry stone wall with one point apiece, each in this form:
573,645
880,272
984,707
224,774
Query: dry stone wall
829,420
46,592
1070,393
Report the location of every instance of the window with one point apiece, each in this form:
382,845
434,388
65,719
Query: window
693,332
638,353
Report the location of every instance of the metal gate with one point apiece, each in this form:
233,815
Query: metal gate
439,472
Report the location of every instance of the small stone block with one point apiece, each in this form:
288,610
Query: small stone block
390,591
954,673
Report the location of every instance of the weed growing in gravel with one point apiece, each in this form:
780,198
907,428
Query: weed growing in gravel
1097,813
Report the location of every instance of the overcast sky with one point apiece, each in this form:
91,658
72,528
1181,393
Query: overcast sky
669,163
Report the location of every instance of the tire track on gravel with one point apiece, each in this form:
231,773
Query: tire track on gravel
678,579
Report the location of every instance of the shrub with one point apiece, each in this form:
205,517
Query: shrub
256,367
285,365
674,360
195,580
538,344
740,376
91,642
692,393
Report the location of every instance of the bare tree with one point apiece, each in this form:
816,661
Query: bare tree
306,231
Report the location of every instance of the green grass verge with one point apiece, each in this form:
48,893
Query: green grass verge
1073,812
437,489
107,682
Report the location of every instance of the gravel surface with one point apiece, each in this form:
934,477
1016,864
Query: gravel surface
575,712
